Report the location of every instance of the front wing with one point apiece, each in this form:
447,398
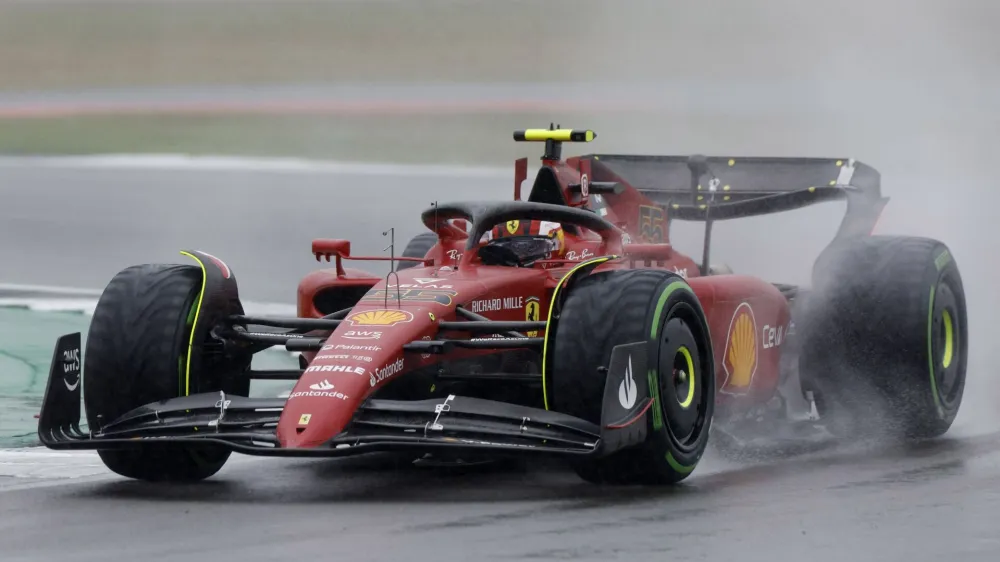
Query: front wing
248,425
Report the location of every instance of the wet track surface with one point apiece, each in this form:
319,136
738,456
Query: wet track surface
917,502
907,87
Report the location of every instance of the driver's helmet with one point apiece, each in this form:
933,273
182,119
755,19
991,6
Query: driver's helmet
540,237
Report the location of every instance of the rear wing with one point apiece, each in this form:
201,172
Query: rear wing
700,188
736,187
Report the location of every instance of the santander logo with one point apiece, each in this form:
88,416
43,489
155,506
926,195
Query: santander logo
383,373
324,388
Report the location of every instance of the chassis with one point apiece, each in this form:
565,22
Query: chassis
504,381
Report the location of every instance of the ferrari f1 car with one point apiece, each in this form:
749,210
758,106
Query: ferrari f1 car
564,324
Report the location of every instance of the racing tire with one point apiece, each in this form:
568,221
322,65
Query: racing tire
885,342
136,353
417,247
607,309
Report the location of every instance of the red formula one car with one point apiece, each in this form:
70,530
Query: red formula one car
564,324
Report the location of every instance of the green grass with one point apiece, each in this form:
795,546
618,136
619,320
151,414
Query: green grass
27,339
160,43
154,43
451,139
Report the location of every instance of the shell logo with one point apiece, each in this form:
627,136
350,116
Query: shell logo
380,317
740,359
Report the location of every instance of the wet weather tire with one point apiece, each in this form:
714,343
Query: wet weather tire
418,247
885,344
607,309
136,351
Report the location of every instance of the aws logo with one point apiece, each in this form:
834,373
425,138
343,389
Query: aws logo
740,359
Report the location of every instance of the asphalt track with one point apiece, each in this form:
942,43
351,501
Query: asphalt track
888,504
859,502
70,217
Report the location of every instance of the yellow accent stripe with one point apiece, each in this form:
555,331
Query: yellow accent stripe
558,135
197,312
949,339
548,320
691,376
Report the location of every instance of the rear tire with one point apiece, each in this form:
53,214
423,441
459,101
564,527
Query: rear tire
607,309
136,353
885,344
418,247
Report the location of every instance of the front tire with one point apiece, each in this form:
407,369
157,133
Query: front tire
886,343
607,309
418,247
137,349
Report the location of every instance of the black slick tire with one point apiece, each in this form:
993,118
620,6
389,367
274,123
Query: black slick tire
136,351
885,342
417,247
607,309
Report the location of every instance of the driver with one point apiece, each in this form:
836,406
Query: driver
530,239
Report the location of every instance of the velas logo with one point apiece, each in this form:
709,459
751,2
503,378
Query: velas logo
380,317
385,372
415,285
740,358
429,282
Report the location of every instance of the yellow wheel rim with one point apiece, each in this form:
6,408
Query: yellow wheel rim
949,339
683,351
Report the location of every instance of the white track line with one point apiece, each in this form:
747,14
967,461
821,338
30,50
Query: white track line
50,289
182,162
45,464
52,298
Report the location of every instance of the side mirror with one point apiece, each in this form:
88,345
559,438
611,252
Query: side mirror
649,252
322,247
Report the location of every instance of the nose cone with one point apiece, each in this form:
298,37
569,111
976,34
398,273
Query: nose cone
317,411
362,354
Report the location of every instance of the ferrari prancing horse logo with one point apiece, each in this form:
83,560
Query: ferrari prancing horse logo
512,226
532,313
